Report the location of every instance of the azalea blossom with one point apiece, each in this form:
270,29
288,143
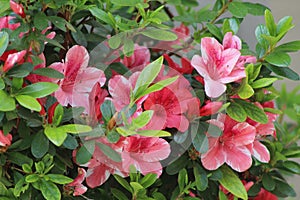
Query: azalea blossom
265,195
184,68
14,58
144,153
5,141
96,98
79,79
6,22
76,185
217,66
210,108
231,146
17,8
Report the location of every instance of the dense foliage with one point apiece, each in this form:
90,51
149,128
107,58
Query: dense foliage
143,99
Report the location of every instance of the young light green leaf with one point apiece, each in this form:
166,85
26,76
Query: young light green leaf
154,133
232,183
48,72
101,14
123,182
75,128
59,178
127,2
49,190
147,76
125,132
158,34
118,194
115,41
263,82
7,103
40,89
109,152
148,180
284,25
85,152
245,91
2,84
142,120
4,38
29,102
55,135
278,58
213,29
270,23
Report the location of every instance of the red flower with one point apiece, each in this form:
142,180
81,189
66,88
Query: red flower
185,68
265,195
17,8
14,58
210,108
5,141
5,22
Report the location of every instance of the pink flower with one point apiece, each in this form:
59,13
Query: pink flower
96,98
17,8
144,153
76,185
14,58
5,141
79,79
217,66
5,22
265,195
210,108
231,146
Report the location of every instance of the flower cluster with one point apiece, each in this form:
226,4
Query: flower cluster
150,112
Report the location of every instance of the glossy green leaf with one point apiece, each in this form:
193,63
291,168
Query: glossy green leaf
148,180
284,25
118,194
123,182
285,72
280,59
245,91
75,128
40,21
79,37
48,72
182,179
59,178
4,38
7,103
236,112
29,102
127,2
30,178
40,89
289,47
255,8
85,152
263,82
270,23
55,135
40,145
283,189
292,166
154,133
128,47
158,34
238,9
213,29
59,22
19,158
109,152
259,32
268,182
232,183
142,120
200,141
115,41
200,178
49,190
101,14
255,113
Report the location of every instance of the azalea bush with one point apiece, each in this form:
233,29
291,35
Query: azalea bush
143,99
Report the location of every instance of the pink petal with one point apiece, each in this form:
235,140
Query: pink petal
232,41
260,152
235,75
159,118
213,88
229,60
215,156
198,63
87,78
244,134
5,140
63,97
17,8
178,121
211,49
238,158
98,175
13,59
119,88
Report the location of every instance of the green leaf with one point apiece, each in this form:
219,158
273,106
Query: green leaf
289,47
259,32
40,21
85,152
147,76
236,112
232,183
58,115
32,178
49,72
285,72
118,194
213,29
292,166
158,86
79,37
49,190
141,120
59,22
127,2
200,178
4,38
284,25
255,8
40,145
222,196
4,6
123,182
245,91
59,178
283,189
109,152
115,41
268,182
7,103
75,128
255,113
26,168
19,159
270,23
263,82
102,15
238,9
148,180
2,84
278,58
128,48
55,135
200,142
182,179
158,34
29,102
154,133
40,89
